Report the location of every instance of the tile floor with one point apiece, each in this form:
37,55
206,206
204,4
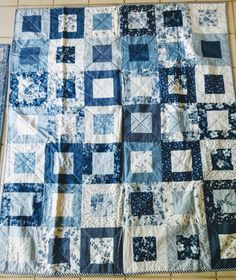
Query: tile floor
7,11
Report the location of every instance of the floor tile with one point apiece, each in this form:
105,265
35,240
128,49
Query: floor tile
71,2
203,275
7,15
105,2
8,2
143,1
223,274
231,24
233,48
36,2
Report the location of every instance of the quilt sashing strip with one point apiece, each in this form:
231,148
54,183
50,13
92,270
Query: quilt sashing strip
4,64
120,155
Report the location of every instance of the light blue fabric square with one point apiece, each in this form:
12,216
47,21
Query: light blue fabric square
183,203
24,163
103,124
102,21
175,51
178,122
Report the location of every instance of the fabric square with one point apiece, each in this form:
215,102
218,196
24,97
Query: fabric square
28,89
218,159
101,250
102,88
219,92
142,162
18,249
102,53
102,163
140,86
137,20
67,23
29,55
214,84
139,248
177,85
138,52
190,168
67,90
62,205
181,161
211,49
222,242
141,203
101,205
97,247
63,163
24,163
59,250
188,247
218,120
22,205
65,55
102,21
31,23
103,124
144,249
184,203
175,51
173,18
219,199
141,122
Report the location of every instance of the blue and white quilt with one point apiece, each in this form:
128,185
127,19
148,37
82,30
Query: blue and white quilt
120,155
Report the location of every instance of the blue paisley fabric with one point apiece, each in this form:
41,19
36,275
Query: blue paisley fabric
120,155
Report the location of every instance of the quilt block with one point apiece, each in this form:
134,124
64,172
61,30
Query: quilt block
120,155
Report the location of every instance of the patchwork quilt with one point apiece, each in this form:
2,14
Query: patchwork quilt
120,155
4,55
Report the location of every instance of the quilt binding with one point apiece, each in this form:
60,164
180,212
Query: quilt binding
4,146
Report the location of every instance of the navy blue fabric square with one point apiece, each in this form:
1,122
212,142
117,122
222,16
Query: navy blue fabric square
88,84
138,52
214,231
144,248
155,131
63,178
173,18
31,23
115,267
65,55
214,84
221,159
67,90
141,203
102,53
29,55
145,26
211,49
194,174
59,250
37,215
184,79
187,243
54,23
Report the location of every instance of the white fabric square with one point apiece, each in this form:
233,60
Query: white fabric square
21,204
18,250
227,246
202,97
218,120
137,20
37,176
103,88
67,23
225,200
174,85
181,161
90,111
63,163
103,163
141,86
62,205
101,250
27,124
141,161
141,122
